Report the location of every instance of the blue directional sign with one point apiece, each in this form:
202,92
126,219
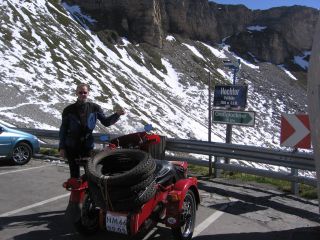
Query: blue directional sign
231,96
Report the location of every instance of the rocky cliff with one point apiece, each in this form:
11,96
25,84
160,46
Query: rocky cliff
287,31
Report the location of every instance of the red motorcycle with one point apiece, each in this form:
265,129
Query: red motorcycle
126,191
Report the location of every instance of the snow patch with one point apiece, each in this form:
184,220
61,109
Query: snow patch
301,60
215,52
287,72
256,28
170,38
194,50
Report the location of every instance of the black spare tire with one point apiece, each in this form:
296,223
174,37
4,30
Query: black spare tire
125,175
119,193
120,168
136,200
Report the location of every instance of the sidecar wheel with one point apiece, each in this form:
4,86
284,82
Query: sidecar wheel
88,223
185,231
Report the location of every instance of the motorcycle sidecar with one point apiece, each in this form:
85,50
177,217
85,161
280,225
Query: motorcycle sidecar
174,204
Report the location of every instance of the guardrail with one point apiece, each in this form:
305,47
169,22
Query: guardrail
293,160
54,135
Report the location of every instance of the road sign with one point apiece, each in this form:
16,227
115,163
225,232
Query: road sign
234,96
295,131
234,117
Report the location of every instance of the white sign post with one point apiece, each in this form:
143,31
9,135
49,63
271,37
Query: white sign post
314,101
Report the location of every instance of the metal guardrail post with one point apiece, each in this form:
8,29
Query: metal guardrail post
217,171
294,172
294,185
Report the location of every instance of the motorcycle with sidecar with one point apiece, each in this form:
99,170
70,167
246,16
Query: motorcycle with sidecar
125,190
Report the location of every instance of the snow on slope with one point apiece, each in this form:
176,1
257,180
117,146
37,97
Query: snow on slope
44,53
47,51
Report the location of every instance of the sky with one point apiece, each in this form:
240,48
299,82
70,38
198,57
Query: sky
266,4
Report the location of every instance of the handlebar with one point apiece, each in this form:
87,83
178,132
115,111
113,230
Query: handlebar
136,140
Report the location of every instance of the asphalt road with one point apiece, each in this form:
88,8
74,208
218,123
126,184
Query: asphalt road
33,203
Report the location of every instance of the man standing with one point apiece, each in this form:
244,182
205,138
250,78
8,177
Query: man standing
78,121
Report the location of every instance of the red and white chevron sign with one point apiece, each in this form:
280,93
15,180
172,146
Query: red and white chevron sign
295,131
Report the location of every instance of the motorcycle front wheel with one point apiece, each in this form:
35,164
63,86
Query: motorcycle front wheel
185,231
88,223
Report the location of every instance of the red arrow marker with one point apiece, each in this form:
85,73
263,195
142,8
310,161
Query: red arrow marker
295,131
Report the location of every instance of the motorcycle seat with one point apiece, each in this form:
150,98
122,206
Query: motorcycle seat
165,173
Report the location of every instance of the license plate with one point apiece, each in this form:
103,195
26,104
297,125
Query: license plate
116,222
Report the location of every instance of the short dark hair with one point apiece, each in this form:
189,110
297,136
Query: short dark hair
80,85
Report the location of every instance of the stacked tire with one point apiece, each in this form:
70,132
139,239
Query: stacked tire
121,180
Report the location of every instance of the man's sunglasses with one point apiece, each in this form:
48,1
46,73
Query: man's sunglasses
83,92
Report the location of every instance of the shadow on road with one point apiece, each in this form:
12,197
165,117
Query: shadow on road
251,203
55,225
47,225
4,162
311,233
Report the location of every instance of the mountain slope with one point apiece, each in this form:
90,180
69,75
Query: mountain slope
45,52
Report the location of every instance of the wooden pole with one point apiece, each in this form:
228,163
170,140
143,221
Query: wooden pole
314,101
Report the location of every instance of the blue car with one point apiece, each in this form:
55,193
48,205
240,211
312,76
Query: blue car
17,145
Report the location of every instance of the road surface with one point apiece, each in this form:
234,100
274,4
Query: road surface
33,203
